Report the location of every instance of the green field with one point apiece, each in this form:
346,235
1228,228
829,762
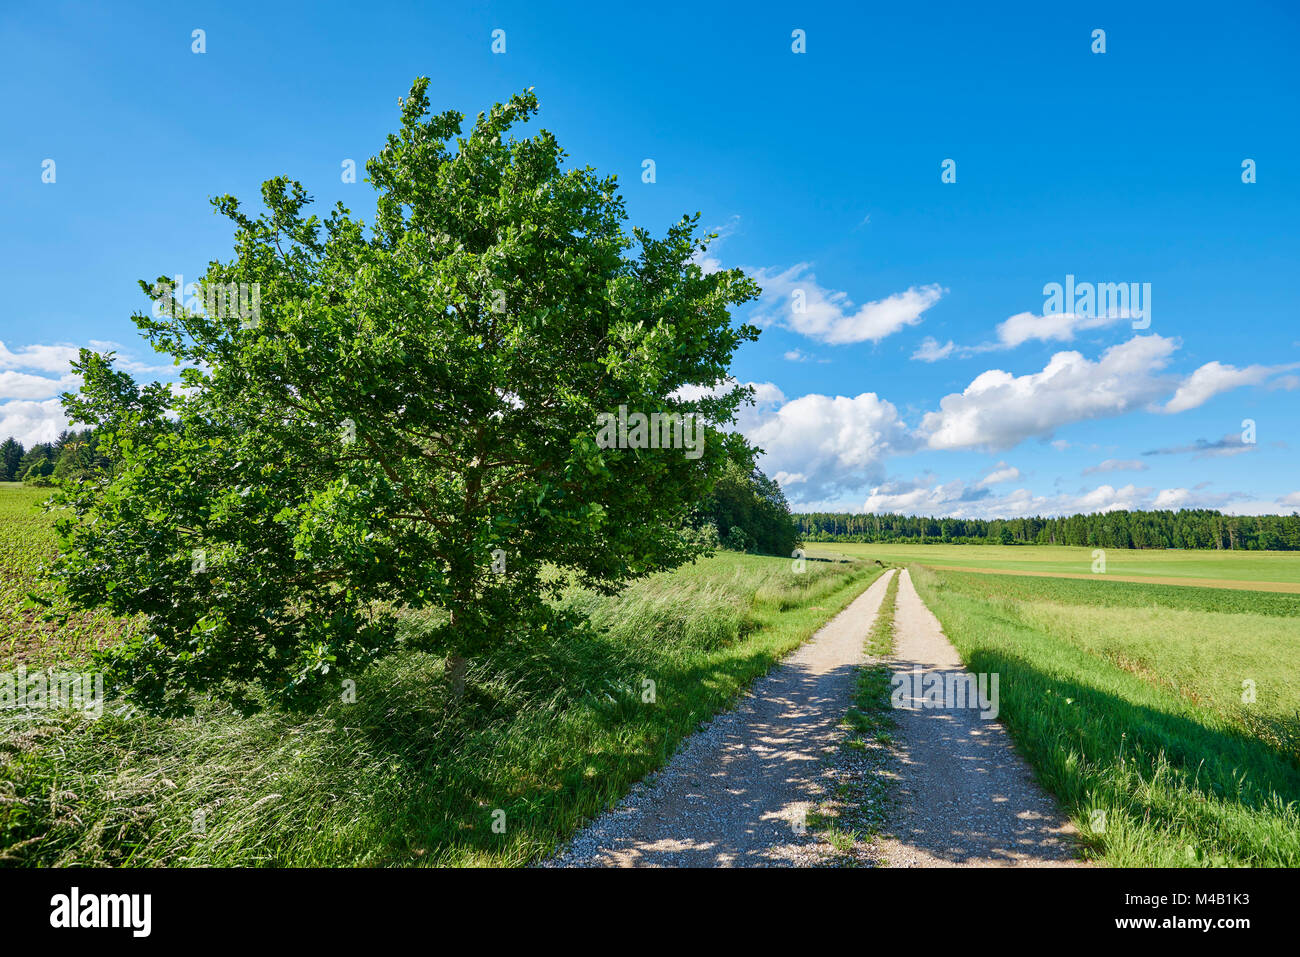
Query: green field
1131,700
546,734
1245,567
26,542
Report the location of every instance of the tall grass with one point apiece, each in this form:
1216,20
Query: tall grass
1152,775
547,733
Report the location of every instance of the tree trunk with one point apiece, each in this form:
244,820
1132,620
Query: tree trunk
455,668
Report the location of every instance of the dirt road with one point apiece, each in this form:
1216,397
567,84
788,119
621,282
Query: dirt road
737,793
965,797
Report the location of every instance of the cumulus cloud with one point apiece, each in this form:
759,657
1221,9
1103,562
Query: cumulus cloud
1215,377
24,385
958,499
33,376
998,410
820,447
55,358
825,444
1174,498
794,299
32,422
1016,331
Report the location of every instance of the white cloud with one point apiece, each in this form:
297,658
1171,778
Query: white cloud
24,385
1104,498
830,449
32,422
1173,498
794,299
1002,473
1215,377
957,499
1057,327
1116,465
998,410
931,351
1016,331
829,442
55,358
34,413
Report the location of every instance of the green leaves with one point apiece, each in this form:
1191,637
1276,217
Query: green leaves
413,400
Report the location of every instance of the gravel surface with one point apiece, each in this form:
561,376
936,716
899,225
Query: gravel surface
737,793
965,797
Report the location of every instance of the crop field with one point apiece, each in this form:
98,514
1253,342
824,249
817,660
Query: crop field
1165,718
26,542
545,735
1259,570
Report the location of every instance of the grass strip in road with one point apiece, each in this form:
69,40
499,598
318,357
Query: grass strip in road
853,815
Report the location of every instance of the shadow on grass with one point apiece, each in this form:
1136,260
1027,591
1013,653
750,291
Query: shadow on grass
534,750
1173,780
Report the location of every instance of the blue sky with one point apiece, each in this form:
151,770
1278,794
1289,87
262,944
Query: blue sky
923,374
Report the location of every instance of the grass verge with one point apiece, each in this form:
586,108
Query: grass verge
547,734
1097,698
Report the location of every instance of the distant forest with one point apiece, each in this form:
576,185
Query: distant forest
1188,528
70,455
756,505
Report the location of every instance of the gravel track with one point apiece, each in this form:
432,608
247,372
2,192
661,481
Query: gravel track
737,792
965,797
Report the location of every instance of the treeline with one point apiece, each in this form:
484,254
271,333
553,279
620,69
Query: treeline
71,455
1186,528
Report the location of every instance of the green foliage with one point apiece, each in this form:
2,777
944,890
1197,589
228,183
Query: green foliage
38,473
30,632
410,422
750,511
11,455
736,539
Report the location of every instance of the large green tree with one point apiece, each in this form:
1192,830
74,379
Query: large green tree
408,416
